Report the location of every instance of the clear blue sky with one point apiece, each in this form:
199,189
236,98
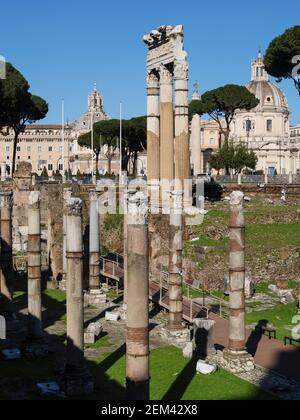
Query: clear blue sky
62,47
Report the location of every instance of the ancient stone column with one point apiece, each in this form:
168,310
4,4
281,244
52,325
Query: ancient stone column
182,151
6,269
67,193
3,172
166,124
237,273
175,261
35,330
137,320
94,277
236,355
125,261
196,145
153,146
77,381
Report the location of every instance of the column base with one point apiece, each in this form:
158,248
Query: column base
178,337
77,382
137,391
95,298
237,361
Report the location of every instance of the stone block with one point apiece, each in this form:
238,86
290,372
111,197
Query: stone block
204,336
37,351
205,368
112,316
188,351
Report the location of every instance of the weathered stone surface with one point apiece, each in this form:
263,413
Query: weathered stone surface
188,350
112,316
204,337
205,368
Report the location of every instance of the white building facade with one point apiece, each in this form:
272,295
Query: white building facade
266,129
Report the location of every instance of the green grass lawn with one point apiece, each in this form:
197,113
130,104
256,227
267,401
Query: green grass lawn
281,317
172,378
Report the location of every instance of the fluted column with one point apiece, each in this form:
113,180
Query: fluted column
166,125
94,282
35,330
137,339
6,271
182,152
153,142
175,261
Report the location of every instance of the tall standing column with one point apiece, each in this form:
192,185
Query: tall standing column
166,124
125,260
153,146
175,262
3,171
236,355
78,382
182,151
137,339
67,193
35,330
6,276
196,155
94,283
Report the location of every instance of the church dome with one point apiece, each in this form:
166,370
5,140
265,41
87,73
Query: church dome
271,97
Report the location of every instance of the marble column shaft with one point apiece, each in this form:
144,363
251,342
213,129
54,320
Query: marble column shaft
6,271
35,330
137,338
175,261
153,129
237,333
94,251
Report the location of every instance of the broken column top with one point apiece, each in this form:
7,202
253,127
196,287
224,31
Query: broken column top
137,208
236,198
73,206
24,170
34,198
165,46
6,199
93,195
67,193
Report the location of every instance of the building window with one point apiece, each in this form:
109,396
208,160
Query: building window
29,158
7,148
60,167
269,125
50,148
18,148
39,148
60,149
28,148
50,167
212,142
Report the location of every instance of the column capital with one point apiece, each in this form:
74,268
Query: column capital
166,76
67,193
137,208
34,200
93,195
74,207
181,71
6,199
152,80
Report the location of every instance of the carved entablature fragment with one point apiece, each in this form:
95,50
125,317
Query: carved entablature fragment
165,46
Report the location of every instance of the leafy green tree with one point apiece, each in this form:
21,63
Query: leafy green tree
18,107
107,133
233,157
221,105
282,59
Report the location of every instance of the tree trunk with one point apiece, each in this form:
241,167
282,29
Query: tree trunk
14,152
